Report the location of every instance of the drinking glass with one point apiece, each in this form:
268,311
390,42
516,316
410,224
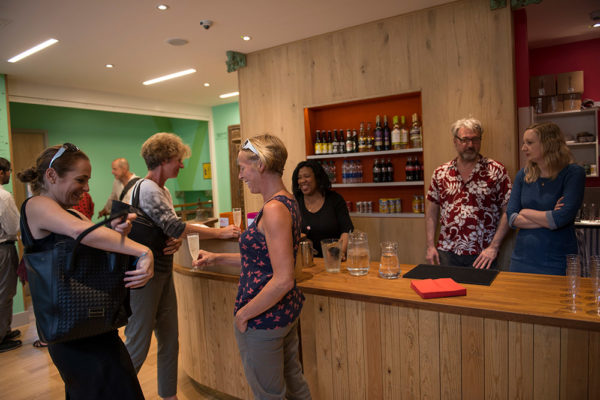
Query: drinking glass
573,279
194,246
389,266
332,254
595,278
237,217
358,254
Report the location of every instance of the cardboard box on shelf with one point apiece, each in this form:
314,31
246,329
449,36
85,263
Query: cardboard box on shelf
570,82
543,85
572,102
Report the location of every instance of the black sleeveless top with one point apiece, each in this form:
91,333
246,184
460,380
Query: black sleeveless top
47,242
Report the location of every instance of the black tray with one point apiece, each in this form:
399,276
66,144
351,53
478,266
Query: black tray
468,275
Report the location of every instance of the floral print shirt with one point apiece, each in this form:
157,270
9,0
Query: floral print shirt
257,271
469,211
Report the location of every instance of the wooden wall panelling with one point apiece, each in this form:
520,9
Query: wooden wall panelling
373,344
357,335
339,348
496,359
450,356
323,338
520,360
546,362
392,355
461,69
409,351
594,365
429,354
309,345
574,352
473,379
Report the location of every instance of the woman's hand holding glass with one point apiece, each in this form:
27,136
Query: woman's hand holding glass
228,232
204,259
143,272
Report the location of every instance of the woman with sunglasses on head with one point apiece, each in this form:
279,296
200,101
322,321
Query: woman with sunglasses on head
154,307
545,198
96,367
268,303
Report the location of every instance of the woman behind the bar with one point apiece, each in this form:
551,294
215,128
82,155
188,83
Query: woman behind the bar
324,212
154,306
268,303
95,367
545,198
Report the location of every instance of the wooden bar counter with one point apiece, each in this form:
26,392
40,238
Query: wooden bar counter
367,337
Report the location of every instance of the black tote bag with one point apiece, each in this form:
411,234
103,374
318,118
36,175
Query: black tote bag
77,290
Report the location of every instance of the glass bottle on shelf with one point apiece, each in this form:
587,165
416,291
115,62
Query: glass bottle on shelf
362,140
416,139
342,142
376,171
396,134
403,133
387,139
378,134
409,169
318,142
334,144
329,143
370,138
390,171
349,142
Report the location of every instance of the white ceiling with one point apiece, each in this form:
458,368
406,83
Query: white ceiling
132,35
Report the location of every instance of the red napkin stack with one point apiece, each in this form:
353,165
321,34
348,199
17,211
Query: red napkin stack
443,287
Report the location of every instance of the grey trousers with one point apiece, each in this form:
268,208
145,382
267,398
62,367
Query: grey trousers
154,308
271,363
9,260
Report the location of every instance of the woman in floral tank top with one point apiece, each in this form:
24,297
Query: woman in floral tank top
268,303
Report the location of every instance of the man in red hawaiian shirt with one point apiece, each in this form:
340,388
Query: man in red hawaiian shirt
472,192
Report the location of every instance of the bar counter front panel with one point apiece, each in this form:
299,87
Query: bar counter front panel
367,337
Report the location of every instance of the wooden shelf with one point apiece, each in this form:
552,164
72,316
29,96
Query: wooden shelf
564,113
366,154
377,184
581,144
388,215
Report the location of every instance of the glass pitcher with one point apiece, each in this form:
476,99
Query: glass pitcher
389,266
358,254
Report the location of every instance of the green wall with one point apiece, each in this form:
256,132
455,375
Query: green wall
104,136
223,116
18,305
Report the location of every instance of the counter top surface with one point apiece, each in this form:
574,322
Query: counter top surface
512,296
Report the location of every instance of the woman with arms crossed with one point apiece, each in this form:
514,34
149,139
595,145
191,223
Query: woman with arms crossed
268,302
96,367
545,198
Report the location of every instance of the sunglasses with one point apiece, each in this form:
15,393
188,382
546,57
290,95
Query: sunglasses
248,146
61,151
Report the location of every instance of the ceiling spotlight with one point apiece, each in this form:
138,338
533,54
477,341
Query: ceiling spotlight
206,84
170,76
226,95
109,66
246,37
595,16
162,7
177,42
32,50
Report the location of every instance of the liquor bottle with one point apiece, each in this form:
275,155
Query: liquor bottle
396,134
329,143
349,142
376,171
318,142
335,145
355,139
390,171
387,139
370,138
416,139
403,133
362,140
342,142
378,134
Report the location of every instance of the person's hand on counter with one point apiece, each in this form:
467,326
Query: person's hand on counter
172,246
486,258
432,256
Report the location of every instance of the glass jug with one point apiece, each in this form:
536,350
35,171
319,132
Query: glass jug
389,266
358,254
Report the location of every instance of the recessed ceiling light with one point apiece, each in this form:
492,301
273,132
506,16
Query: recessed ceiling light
162,7
246,37
596,25
206,84
226,95
170,76
33,50
109,66
177,42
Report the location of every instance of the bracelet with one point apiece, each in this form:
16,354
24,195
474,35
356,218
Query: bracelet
141,255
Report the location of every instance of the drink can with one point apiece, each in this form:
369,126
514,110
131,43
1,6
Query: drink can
422,204
369,206
415,204
391,204
383,206
398,205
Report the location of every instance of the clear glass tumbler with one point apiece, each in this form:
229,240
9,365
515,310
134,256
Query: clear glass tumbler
595,278
332,254
573,279
389,265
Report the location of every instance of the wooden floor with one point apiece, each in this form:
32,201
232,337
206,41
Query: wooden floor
27,373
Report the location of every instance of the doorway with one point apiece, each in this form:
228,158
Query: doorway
27,145
236,185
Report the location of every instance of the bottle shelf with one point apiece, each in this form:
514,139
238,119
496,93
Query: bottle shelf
388,215
377,184
366,154
564,113
581,144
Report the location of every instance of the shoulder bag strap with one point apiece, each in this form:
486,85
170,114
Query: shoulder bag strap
131,182
26,235
135,197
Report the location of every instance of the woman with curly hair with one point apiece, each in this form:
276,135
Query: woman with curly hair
545,198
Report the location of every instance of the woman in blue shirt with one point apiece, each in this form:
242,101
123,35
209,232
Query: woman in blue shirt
545,198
